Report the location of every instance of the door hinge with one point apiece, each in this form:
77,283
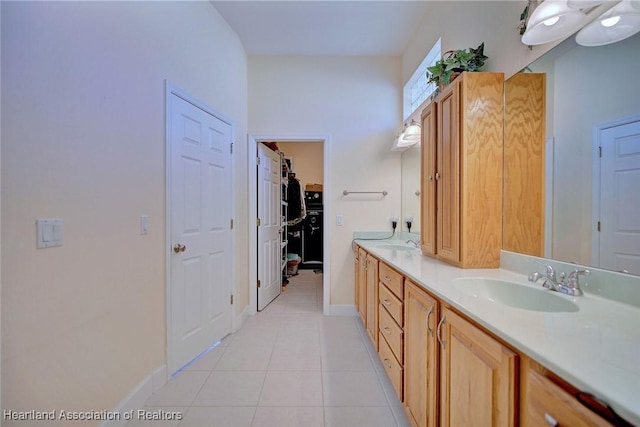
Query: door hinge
258,161
231,299
259,284
258,222
231,148
598,225
231,224
600,151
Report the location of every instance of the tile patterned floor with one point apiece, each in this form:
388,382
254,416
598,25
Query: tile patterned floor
289,366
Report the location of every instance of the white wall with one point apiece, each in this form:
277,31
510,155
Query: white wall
357,102
83,139
307,160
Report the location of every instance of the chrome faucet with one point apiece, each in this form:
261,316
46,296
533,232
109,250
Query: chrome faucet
570,287
415,243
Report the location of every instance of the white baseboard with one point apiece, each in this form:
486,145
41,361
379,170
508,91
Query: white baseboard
342,310
240,319
137,397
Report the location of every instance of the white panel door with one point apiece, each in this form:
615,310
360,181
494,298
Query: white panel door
270,227
200,235
620,198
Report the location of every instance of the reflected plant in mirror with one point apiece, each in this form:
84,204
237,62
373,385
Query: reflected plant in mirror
578,158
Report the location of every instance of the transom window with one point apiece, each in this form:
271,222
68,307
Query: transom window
417,90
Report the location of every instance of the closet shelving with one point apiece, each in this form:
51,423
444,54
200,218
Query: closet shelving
283,221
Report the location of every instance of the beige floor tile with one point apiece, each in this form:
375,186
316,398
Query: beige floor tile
180,391
245,358
359,416
352,389
228,416
224,388
207,361
289,417
292,389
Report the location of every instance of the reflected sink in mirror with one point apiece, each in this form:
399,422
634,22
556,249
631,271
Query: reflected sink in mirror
515,295
397,247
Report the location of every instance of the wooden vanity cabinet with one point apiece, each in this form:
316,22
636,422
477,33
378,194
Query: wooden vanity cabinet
372,299
361,284
548,401
463,133
478,375
391,325
421,349
428,171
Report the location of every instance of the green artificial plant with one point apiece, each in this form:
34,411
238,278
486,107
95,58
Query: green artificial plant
456,62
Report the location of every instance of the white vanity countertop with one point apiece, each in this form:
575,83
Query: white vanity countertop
597,348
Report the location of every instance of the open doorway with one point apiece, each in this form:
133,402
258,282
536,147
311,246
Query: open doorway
307,237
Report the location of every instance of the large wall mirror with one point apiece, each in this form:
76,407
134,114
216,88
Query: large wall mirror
592,93
410,182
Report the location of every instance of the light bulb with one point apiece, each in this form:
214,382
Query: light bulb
611,21
551,21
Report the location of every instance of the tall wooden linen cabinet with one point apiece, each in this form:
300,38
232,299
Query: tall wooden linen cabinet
462,172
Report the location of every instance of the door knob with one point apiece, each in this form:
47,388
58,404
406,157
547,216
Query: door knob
177,248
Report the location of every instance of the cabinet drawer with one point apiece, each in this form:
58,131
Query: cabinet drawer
392,303
391,332
547,402
391,365
392,279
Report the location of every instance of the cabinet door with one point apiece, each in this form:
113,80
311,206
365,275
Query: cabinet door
372,299
547,404
448,174
362,285
477,376
420,357
428,180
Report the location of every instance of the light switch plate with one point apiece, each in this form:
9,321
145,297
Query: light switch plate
339,220
144,224
49,232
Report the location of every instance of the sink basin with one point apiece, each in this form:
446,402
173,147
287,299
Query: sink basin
397,247
515,295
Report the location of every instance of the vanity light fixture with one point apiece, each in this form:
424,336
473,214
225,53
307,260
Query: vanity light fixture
409,137
412,132
616,24
552,20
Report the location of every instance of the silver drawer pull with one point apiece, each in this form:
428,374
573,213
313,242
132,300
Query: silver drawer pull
388,363
429,317
386,302
387,278
550,420
387,330
442,342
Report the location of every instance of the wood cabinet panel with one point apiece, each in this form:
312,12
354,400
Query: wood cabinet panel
392,280
468,142
391,366
428,167
448,176
372,299
420,357
361,286
391,303
392,333
477,376
524,163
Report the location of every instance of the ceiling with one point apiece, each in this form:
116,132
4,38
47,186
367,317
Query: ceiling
353,28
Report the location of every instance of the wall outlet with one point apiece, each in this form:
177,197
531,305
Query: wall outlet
144,224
